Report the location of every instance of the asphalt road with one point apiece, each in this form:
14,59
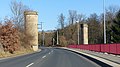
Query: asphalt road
49,57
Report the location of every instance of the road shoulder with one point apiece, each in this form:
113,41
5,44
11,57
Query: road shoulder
100,58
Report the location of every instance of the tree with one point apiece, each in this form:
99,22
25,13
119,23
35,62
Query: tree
63,41
17,9
111,12
80,17
72,16
95,33
9,37
61,20
116,29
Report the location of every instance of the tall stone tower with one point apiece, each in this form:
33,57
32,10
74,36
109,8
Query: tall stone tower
31,27
83,33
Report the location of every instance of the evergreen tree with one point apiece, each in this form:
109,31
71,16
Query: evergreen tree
116,29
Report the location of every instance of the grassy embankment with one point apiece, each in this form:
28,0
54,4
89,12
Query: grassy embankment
16,53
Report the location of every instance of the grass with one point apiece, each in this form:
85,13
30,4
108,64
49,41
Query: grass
16,53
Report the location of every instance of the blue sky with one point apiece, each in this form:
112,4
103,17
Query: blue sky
50,9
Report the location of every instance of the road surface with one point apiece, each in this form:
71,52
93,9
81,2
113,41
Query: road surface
49,57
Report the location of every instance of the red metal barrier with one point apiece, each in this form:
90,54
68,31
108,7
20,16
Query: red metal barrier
113,48
109,48
106,48
97,48
102,48
118,48
90,47
93,47
72,46
78,46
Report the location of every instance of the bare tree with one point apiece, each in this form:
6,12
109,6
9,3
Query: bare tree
61,20
80,17
72,16
17,9
111,12
95,31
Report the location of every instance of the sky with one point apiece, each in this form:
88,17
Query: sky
48,10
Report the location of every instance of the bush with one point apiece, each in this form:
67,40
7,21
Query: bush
63,41
9,37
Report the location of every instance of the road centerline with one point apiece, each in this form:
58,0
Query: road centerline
30,65
44,56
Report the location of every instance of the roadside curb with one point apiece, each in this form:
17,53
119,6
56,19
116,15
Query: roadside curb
103,57
113,64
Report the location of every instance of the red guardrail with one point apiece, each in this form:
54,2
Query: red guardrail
108,48
118,48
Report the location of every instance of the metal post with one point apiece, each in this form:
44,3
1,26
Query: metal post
43,37
42,33
53,41
57,37
41,25
104,22
78,33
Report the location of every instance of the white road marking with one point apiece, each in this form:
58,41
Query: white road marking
52,51
30,65
49,53
44,56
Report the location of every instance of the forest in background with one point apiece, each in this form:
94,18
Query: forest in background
67,27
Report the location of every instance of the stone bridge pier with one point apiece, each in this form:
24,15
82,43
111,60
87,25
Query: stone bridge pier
83,33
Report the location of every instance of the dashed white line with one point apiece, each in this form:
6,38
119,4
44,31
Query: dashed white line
44,56
49,53
52,51
30,65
